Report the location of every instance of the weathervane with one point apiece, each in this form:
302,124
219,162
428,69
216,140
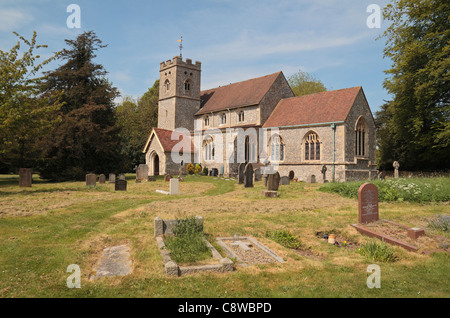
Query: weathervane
181,46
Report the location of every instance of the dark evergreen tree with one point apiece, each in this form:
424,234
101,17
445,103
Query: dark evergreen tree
87,140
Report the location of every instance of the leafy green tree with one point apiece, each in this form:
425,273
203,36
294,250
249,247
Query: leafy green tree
417,119
303,83
87,139
25,115
135,120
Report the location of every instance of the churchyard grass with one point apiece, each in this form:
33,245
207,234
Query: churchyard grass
45,228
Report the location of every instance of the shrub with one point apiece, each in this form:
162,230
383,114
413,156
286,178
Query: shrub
205,171
190,168
378,251
284,238
198,168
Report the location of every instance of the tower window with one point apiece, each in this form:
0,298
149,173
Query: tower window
187,85
167,85
206,121
223,118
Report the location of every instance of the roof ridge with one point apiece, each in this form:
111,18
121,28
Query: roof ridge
247,80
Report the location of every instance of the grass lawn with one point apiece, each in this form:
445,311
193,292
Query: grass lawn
46,228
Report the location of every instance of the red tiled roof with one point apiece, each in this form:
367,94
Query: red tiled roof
249,92
165,138
325,107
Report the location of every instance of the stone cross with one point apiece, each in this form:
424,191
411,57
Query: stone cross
248,176
25,177
324,172
396,165
243,245
367,203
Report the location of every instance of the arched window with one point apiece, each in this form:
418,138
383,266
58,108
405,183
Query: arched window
312,146
208,146
241,115
167,84
276,149
187,85
360,138
223,118
206,120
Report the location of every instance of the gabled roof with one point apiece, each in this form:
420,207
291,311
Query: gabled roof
165,139
324,107
246,93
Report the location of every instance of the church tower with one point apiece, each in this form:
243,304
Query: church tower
179,93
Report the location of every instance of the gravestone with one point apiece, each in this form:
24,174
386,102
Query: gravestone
248,176
121,185
102,179
311,179
396,165
25,177
367,203
258,175
91,179
142,172
214,172
112,178
151,178
265,177
122,176
291,175
241,173
167,177
173,186
115,261
273,181
284,180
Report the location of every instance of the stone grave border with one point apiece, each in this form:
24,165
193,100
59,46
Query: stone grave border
370,233
262,247
172,268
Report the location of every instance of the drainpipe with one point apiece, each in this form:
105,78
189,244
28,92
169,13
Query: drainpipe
333,126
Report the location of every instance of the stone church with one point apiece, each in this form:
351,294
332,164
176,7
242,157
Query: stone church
328,136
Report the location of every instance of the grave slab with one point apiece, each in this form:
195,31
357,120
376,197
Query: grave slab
115,261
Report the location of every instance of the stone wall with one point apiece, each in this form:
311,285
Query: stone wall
279,90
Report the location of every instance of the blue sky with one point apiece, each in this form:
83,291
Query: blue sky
234,40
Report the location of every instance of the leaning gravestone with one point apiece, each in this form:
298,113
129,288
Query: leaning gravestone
248,176
367,203
121,185
112,178
273,181
142,172
102,179
284,180
25,177
241,173
91,179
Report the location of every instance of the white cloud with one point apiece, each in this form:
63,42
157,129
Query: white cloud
13,19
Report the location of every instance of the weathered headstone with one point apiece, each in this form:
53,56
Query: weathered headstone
122,176
367,203
291,175
102,179
167,177
396,165
173,186
25,177
115,261
112,178
121,185
142,172
265,178
284,180
248,176
311,179
241,173
91,179
273,181
215,172
258,175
